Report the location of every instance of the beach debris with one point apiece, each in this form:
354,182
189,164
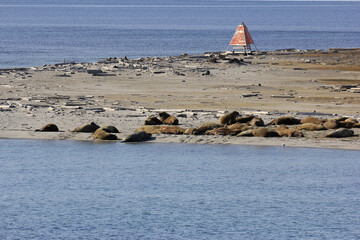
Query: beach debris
340,133
88,128
103,135
137,137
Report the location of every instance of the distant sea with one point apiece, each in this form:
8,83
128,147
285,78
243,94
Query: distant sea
36,32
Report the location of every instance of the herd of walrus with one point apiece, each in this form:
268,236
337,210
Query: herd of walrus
229,124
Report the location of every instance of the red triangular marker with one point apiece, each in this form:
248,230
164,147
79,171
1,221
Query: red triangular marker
241,39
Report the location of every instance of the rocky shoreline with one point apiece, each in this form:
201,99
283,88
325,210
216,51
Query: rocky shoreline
195,89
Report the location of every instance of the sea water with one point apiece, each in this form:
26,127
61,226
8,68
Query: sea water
36,32
87,190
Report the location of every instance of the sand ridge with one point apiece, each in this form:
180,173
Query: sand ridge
196,88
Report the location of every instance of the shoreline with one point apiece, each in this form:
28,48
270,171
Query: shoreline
195,88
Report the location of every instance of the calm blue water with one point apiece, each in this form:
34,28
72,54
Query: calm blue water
83,190
36,32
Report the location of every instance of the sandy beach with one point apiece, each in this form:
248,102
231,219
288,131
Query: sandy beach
195,88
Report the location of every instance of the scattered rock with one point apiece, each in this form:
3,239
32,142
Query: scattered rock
340,133
137,137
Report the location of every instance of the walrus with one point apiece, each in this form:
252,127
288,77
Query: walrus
245,119
149,129
340,133
229,118
168,119
201,129
152,120
88,128
332,124
137,137
289,132
219,131
287,120
49,128
310,127
102,135
109,129
172,130
256,122
264,132
312,120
